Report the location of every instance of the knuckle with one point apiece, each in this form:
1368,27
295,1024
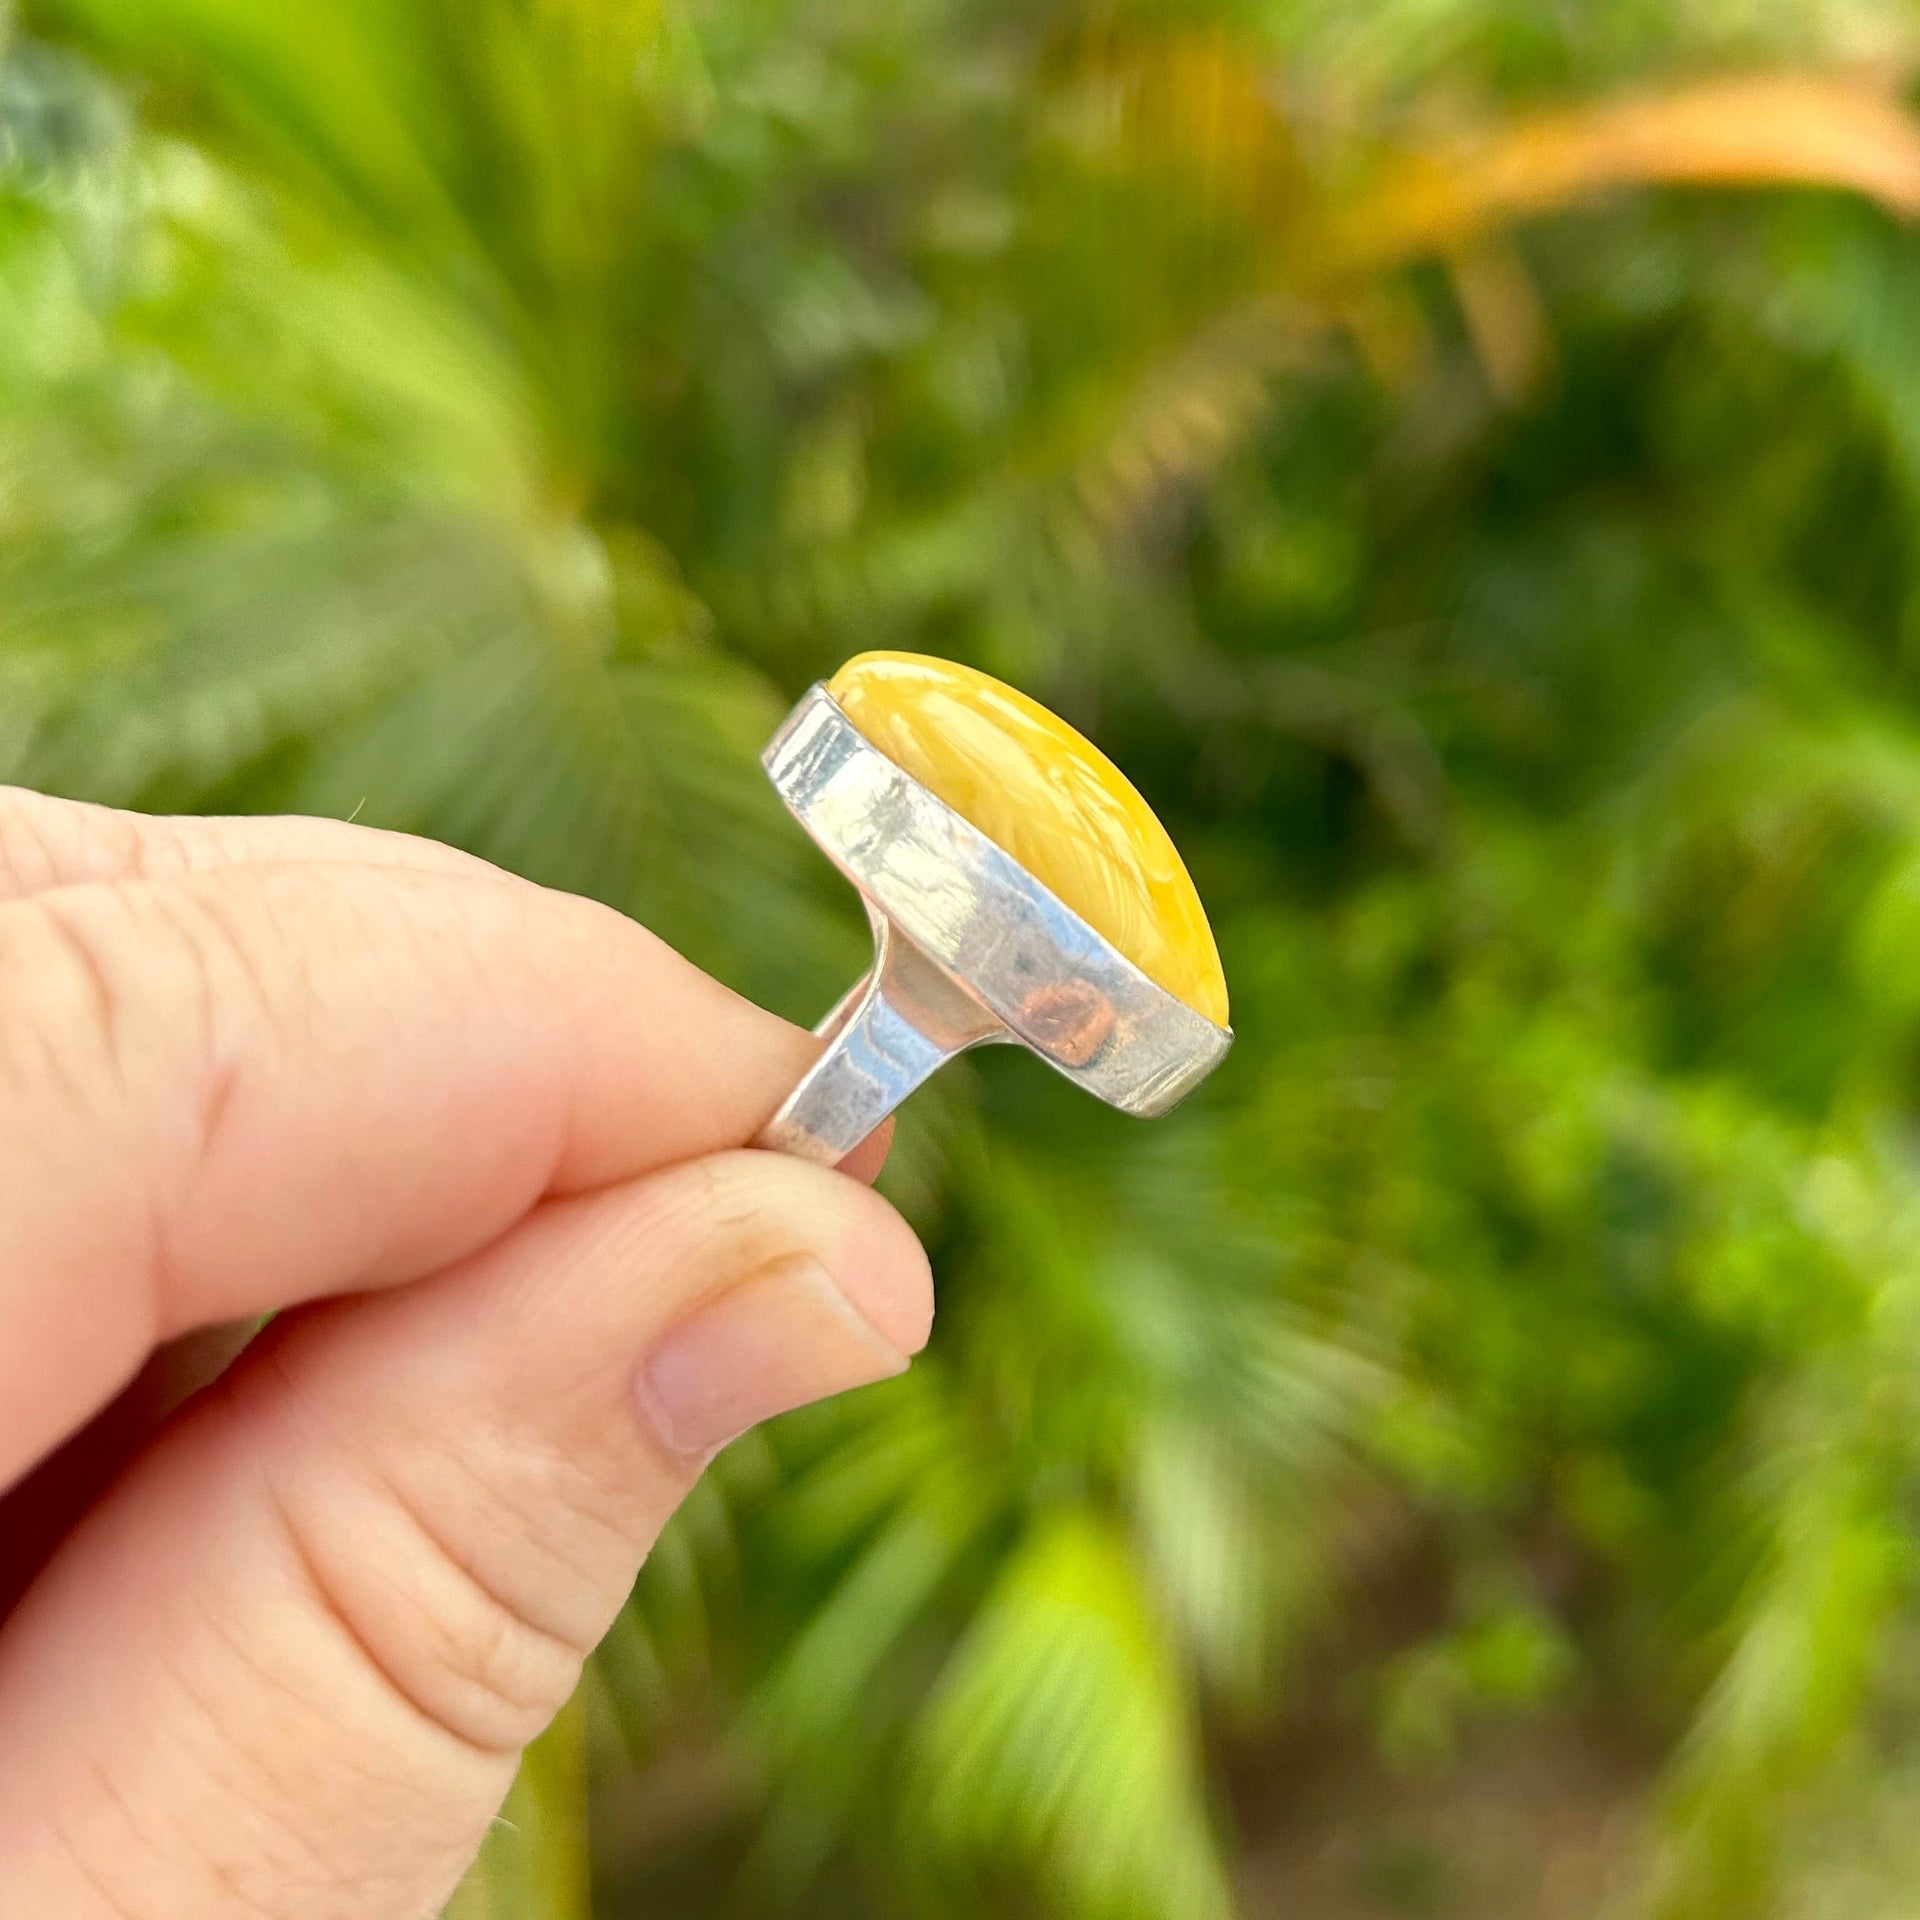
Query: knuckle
125,1016
28,857
70,1018
47,842
461,1650
491,1677
112,992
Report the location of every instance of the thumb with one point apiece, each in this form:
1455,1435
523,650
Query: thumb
288,1666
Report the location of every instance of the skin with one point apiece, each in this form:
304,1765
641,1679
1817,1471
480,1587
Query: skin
277,1618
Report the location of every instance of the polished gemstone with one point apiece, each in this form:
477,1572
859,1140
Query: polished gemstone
1050,798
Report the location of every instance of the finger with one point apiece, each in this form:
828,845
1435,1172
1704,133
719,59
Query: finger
287,1667
39,1512
47,842
247,1087
866,1160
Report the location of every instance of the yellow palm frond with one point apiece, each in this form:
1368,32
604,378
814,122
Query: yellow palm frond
1740,130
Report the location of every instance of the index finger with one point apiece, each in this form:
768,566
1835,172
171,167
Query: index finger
47,842
242,1087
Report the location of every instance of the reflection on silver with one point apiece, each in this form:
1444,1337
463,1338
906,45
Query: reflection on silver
969,948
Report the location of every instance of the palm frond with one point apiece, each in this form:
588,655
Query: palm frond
1062,1733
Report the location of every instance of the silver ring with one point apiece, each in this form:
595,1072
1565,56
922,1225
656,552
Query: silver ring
969,949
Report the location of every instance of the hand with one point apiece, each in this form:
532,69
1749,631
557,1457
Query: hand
477,1144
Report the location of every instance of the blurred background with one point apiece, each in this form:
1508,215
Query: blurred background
1462,457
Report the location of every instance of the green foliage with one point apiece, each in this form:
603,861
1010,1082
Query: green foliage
481,416
537,1864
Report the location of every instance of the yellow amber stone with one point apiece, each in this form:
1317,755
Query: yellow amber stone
1050,798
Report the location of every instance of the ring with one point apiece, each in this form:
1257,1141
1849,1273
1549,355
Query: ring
969,947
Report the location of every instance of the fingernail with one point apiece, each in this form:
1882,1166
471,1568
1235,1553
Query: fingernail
783,1336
